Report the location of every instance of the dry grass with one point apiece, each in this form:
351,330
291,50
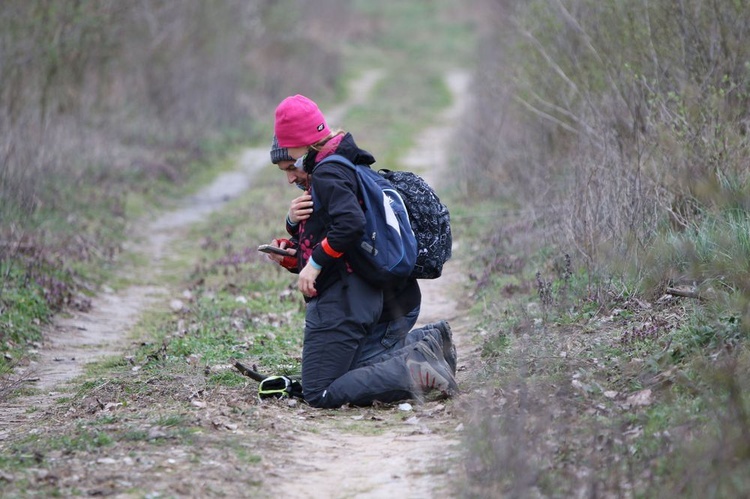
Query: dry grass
608,128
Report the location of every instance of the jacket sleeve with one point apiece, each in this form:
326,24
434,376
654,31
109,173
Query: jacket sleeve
336,190
291,228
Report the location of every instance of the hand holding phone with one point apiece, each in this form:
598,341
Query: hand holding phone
267,248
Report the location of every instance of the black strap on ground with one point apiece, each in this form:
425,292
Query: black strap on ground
243,369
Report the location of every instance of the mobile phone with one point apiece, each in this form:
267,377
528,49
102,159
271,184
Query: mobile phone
267,248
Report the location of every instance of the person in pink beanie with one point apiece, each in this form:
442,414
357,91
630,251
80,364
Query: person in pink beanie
342,309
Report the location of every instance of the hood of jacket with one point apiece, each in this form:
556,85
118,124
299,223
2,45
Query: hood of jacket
347,148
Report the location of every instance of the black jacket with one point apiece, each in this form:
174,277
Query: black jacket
337,221
337,224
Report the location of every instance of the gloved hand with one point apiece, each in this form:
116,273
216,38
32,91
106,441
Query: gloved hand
288,262
278,387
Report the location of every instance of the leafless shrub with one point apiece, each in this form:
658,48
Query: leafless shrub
612,122
605,124
96,86
544,290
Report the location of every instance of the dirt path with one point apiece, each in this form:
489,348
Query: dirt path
75,340
408,451
408,455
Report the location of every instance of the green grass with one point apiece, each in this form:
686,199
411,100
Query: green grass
420,36
24,310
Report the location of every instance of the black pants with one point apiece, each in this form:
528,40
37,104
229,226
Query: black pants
337,322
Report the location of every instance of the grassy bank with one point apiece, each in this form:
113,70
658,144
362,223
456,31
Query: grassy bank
614,300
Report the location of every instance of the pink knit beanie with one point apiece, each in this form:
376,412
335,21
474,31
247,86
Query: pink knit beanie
299,122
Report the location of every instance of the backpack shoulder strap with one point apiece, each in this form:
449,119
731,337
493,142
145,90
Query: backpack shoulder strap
335,158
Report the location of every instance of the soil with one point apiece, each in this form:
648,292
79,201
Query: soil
406,451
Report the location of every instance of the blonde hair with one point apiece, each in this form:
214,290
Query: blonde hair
318,146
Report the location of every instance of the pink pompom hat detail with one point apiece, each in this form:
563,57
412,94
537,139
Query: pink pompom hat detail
299,122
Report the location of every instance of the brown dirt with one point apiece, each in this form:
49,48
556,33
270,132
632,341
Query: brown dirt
404,451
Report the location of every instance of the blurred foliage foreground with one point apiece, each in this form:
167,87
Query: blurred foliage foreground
616,283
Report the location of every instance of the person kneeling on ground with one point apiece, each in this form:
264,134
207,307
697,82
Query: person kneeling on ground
401,304
342,308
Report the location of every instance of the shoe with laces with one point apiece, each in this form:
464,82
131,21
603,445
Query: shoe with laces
428,370
449,349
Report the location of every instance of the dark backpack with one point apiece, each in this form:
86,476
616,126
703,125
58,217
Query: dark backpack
388,249
430,222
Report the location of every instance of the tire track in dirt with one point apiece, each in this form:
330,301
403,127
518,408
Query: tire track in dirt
411,454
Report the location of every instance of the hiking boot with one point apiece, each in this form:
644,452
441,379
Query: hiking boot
428,371
448,352
449,349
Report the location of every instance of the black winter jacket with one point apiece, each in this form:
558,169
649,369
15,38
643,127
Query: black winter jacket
337,224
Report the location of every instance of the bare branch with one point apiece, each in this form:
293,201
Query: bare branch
544,115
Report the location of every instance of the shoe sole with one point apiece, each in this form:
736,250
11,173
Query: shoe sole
431,380
449,348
